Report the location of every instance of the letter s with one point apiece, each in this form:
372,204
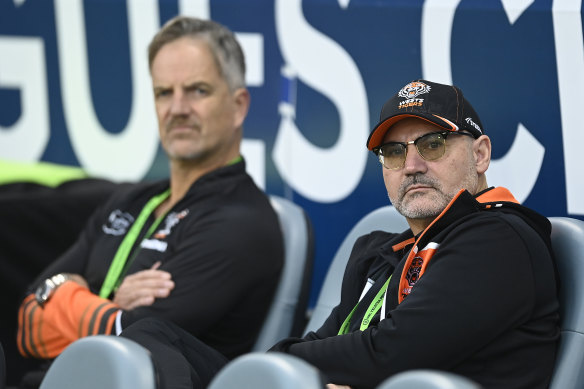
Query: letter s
325,175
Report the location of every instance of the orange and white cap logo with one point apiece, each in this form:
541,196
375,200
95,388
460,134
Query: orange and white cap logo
414,89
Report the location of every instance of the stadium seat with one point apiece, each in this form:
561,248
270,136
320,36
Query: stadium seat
287,314
568,246
268,370
101,361
427,379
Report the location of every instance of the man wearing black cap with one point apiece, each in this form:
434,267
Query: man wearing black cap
470,288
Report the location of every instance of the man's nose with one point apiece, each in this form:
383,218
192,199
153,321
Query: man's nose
179,105
414,162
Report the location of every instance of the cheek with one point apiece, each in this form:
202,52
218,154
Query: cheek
458,172
391,181
161,111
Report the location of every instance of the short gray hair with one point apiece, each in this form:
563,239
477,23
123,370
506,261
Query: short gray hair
222,43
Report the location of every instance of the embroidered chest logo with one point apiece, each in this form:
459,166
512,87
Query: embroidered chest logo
171,220
414,271
415,266
118,223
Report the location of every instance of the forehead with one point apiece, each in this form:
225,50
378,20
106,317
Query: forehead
409,129
182,60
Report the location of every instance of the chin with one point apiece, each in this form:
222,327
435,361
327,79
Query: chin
427,208
183,154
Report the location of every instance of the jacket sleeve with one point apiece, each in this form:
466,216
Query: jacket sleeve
72,313
473,290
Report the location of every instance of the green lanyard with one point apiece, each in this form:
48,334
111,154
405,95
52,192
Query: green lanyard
371,311
121,257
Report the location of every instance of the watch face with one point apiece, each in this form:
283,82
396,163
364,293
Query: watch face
44,291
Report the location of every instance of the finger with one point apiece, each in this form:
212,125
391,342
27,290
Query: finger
141,302
148,284
149,274
156,265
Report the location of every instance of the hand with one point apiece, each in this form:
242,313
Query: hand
142,288
333,386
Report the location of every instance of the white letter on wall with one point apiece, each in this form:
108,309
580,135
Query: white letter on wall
22,66
324,175
437,21
129,154
570,62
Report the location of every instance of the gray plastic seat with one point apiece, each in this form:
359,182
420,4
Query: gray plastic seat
269,371
427,379
101,361
568,246
288,309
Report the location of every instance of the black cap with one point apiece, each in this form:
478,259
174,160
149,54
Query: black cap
443,105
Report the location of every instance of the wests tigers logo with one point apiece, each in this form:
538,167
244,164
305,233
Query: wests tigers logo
413,272
414,89
414,268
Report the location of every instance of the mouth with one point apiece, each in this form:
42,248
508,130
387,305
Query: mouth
179,129
418,188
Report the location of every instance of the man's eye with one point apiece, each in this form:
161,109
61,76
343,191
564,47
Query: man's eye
393,151
198,91
162,93
432,145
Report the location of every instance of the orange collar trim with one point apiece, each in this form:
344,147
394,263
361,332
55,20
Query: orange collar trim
401,245
497,194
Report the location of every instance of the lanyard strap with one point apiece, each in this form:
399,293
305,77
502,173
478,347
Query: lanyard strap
121,257
371,311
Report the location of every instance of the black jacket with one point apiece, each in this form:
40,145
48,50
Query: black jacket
485,307
221,243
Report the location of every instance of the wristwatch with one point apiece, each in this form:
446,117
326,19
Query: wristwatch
49,286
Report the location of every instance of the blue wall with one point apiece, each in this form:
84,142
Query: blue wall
74,89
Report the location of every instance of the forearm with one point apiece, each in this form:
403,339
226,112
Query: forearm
73,312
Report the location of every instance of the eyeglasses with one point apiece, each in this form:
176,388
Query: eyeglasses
431,147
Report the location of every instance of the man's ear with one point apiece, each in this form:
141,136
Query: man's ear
241,99
482,153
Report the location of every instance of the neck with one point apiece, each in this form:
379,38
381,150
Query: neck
418,225
183,174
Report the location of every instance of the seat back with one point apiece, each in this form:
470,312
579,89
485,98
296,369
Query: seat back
568,245
267,370
384,219
286,316
427,379
101,361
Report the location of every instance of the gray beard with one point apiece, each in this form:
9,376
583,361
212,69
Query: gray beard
416,212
